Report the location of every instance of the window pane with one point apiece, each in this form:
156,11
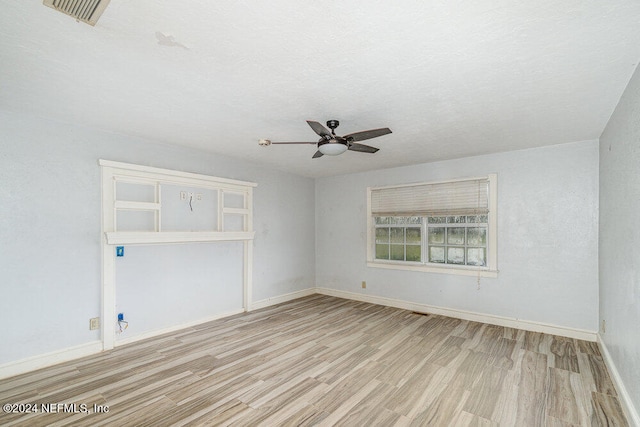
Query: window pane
382,251
456,219
437,219
415,220
382,235
455,255
478,219
382,220
476,236
476,256
414,253
406,220
397,235
436,254
436,235
413,235
455,236
397,252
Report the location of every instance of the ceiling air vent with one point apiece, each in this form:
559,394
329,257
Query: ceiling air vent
87,11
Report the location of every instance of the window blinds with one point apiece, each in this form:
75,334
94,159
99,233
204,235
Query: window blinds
467,197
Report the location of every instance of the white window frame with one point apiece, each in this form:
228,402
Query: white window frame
490,270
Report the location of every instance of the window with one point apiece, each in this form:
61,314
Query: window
447,227
459,240
399,238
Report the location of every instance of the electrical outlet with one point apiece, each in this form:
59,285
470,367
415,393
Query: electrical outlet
604,326
198,196
364,284
94,323
183,195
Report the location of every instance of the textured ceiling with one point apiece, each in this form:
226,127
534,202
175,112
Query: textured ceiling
450,78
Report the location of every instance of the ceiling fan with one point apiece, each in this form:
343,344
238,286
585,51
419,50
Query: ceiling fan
332,144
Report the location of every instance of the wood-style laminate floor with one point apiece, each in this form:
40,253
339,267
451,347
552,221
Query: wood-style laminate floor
327,361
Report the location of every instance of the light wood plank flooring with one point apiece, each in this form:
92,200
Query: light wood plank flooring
326,361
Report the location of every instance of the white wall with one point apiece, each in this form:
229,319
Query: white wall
620,239
50,234
547,237
161,286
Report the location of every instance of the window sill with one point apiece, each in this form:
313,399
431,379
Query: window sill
434,269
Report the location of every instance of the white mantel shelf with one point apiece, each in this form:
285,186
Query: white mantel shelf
164,237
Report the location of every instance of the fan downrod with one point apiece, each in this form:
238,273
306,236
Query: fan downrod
333,124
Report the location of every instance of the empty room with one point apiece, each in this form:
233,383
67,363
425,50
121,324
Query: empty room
319,213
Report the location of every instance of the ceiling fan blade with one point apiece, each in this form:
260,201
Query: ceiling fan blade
318,154
362,148
367,134
319,129
294,142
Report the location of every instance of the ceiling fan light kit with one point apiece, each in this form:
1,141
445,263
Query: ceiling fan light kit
331,144
332,148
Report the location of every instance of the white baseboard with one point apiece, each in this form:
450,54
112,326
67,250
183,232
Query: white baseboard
282,298
151,334
49,359
625,400
465,315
